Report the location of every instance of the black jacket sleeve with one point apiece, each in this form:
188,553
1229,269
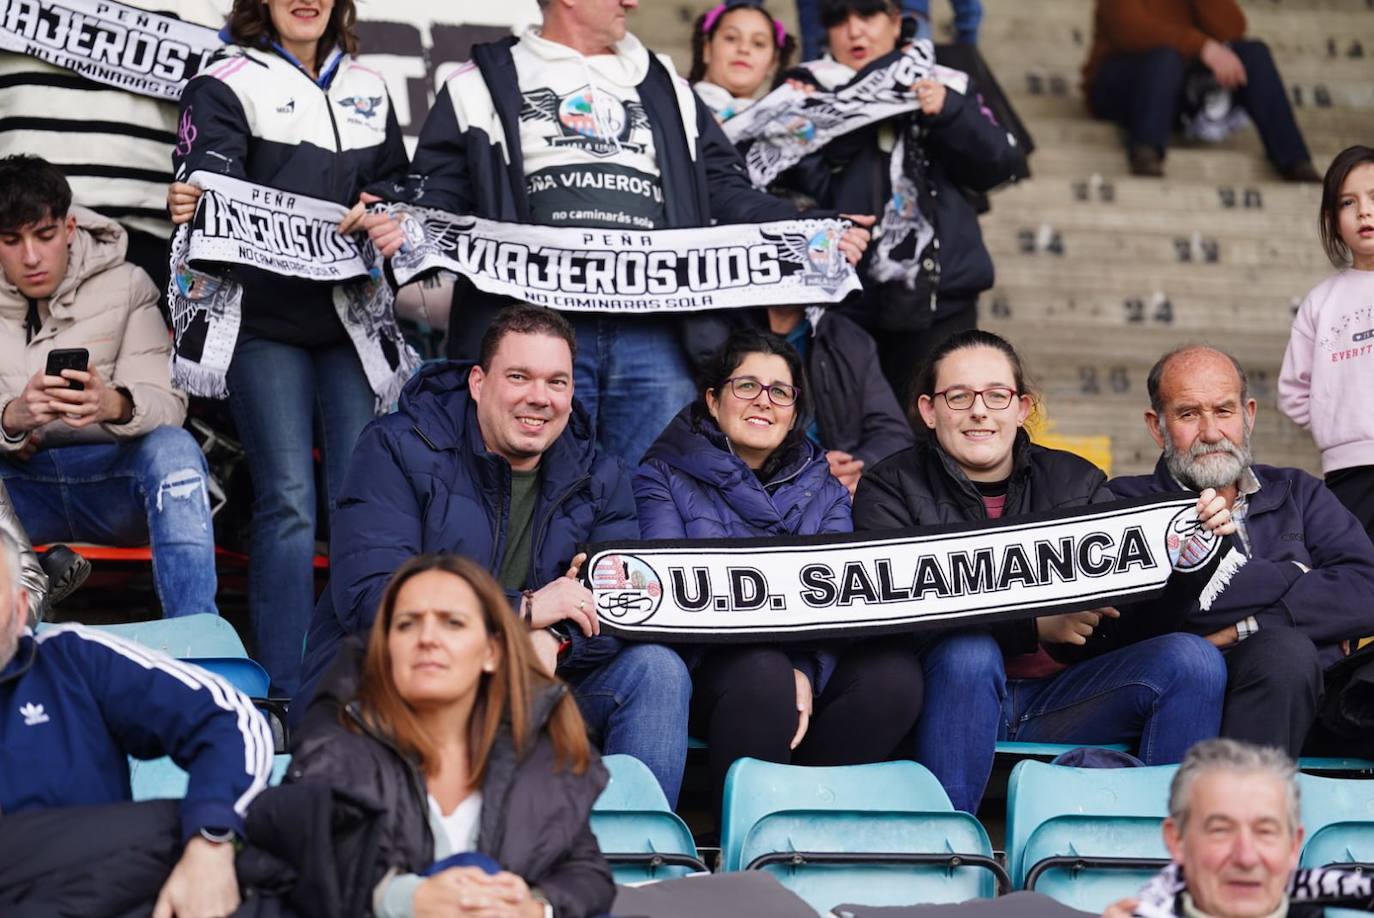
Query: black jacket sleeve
977,153
885,429
440,165
213,132
579,885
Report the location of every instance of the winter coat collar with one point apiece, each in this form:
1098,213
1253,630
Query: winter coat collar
444,416
1274,486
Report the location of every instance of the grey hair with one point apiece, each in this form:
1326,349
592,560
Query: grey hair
1233,755
10,550
1157,373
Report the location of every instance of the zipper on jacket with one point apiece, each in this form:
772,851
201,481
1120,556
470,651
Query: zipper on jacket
542,526
417,781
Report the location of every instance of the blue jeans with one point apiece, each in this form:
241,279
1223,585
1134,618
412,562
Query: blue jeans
967,16
148,491
637,705
1141,92
285,400
631,375
1164,694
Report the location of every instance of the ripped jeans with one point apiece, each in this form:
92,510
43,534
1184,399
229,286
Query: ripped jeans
148,491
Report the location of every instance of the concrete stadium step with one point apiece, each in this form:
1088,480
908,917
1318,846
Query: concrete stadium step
1081,132
1116,313
1044,243
1090,196
1035,108
1241,222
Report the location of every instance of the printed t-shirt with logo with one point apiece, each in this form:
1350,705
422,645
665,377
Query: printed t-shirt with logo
585,137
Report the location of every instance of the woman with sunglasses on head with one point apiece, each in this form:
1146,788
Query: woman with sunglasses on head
1130,680
446,722
737,50
737,463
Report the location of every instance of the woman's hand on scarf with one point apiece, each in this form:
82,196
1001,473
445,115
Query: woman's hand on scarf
931,95
855,240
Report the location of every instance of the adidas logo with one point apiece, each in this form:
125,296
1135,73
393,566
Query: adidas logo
288,108
33,714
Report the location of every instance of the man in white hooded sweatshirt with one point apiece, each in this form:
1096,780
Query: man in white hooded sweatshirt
576,123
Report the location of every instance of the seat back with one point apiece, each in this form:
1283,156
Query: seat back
1089,889
899,858
879,834
1127,806
642,838
242,673
201,635
163,779
1338,816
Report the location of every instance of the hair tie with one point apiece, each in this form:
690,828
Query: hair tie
708,22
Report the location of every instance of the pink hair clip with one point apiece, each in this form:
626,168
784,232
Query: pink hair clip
713,16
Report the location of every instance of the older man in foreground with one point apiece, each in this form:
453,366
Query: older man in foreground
1235,835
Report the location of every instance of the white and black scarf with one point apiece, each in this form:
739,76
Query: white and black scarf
1161,897
238,223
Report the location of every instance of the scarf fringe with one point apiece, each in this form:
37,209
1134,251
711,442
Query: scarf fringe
1233,562
195,379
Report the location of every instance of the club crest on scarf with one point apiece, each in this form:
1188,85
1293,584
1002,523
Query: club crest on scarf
818,255
596,122
627,589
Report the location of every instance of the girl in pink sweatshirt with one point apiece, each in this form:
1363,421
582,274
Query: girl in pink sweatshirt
1327,380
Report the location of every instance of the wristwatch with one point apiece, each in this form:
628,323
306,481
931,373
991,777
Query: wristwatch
218,836
538,896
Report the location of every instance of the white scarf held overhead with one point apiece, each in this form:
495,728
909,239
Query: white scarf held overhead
790,123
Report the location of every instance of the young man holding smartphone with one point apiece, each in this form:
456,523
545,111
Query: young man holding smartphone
91,444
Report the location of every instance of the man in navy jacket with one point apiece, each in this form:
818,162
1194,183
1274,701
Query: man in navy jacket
76,703
496,461
1299,592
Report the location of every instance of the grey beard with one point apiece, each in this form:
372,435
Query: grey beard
1214,472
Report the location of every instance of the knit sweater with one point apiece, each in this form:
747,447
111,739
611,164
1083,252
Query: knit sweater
1329,367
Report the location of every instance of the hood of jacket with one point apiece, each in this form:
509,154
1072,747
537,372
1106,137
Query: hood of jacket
97,245
626,66
699,451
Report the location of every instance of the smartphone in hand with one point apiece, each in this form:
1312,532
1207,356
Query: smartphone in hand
68,358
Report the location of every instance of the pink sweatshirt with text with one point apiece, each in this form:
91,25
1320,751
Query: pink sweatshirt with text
1327,380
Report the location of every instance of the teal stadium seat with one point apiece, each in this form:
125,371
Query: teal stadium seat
201,635
881,834
1050,750
642,838
1338,815
163,779
240,672
1086,836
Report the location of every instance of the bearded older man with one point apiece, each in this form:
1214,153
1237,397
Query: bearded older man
1298,589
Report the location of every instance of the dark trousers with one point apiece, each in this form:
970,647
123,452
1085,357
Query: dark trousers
903,354
1141,92
744,704
1354,487
1273,687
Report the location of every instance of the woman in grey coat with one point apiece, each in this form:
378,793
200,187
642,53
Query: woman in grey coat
475,756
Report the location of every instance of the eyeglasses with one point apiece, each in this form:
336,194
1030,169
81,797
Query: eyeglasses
994,399
748,389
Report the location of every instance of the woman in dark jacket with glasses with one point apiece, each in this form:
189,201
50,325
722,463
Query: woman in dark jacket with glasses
737,463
